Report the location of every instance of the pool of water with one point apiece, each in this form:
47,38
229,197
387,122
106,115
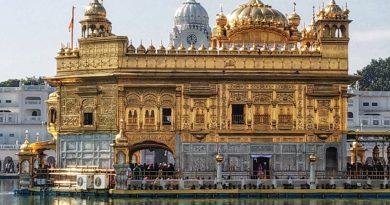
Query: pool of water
7,197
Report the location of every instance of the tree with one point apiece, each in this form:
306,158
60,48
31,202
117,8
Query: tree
33,81
10,83
375,76
26,81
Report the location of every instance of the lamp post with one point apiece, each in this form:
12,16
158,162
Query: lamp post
219,158
312,159
37,135
26,135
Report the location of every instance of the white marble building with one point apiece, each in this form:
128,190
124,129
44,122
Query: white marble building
22,108
191,26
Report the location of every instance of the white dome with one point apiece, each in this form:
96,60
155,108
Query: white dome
191,12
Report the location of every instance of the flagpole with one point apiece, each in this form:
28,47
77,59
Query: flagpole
72,28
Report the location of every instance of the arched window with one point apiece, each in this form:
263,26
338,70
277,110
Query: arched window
199,117
34,113
149,118
350,114
53,115
132,117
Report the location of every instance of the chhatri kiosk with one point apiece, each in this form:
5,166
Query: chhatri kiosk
265,93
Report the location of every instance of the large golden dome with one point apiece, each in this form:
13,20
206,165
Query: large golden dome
256,12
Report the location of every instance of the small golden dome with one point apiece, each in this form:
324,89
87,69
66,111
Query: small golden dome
285,47
171,48
222,48
141,48
275,47
265,47
151,49
202,48
253,48
243,48
233,47
219,157
95,9
294,18
61,51
161,49
53,97
221,19
212,49
181,48
131,48
191,48
333,10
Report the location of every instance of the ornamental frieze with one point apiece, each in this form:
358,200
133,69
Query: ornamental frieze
285,98
262,87
72,107
285,87
238,97
71,121
262,98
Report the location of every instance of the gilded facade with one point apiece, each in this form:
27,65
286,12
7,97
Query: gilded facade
264,90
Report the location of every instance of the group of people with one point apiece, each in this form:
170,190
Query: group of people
373,171
150,171
9,167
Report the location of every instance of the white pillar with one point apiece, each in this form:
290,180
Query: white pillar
312,159
219,175
219,158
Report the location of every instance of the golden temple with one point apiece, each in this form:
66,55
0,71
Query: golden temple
263,89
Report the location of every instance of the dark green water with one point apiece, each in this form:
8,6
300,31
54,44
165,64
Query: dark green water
8,198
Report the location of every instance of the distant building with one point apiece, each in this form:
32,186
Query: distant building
369,111
369,124
22,108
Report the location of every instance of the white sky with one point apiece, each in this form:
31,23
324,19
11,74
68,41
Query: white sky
33,30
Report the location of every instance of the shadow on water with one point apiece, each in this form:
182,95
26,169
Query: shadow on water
8,198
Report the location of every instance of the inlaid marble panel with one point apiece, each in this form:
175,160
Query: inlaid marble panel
86,149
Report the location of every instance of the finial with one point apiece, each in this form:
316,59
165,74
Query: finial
314,16
221,6
161,43
346,5
295,5
121,121
131,41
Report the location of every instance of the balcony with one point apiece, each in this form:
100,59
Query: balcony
33,118
9,147
238,119
32,102
285,122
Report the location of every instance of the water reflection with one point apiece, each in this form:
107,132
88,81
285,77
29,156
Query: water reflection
8,198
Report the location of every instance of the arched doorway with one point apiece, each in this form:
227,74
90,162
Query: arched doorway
331,160
8,165
154,160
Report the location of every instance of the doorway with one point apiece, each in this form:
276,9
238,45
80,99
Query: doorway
331,161
261,166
